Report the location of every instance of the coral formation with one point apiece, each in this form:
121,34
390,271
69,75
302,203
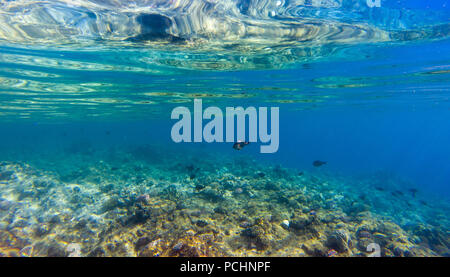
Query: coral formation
135,205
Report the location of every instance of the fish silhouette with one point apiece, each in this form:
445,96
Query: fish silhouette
240,144
318,163
413,192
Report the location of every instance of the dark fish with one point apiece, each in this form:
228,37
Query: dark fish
413,192
240,144
318,163
379,188
300,173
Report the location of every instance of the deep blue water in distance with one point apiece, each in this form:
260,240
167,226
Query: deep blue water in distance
409,143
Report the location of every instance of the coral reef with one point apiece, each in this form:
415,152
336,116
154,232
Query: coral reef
146,202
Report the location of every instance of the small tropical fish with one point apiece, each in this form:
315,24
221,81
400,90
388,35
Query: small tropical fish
240,144
413,192
300,173
318,163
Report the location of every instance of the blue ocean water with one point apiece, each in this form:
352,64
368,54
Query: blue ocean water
86,94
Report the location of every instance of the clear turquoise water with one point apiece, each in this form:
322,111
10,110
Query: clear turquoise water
365,89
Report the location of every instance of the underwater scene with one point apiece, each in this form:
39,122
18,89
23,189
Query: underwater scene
115,138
